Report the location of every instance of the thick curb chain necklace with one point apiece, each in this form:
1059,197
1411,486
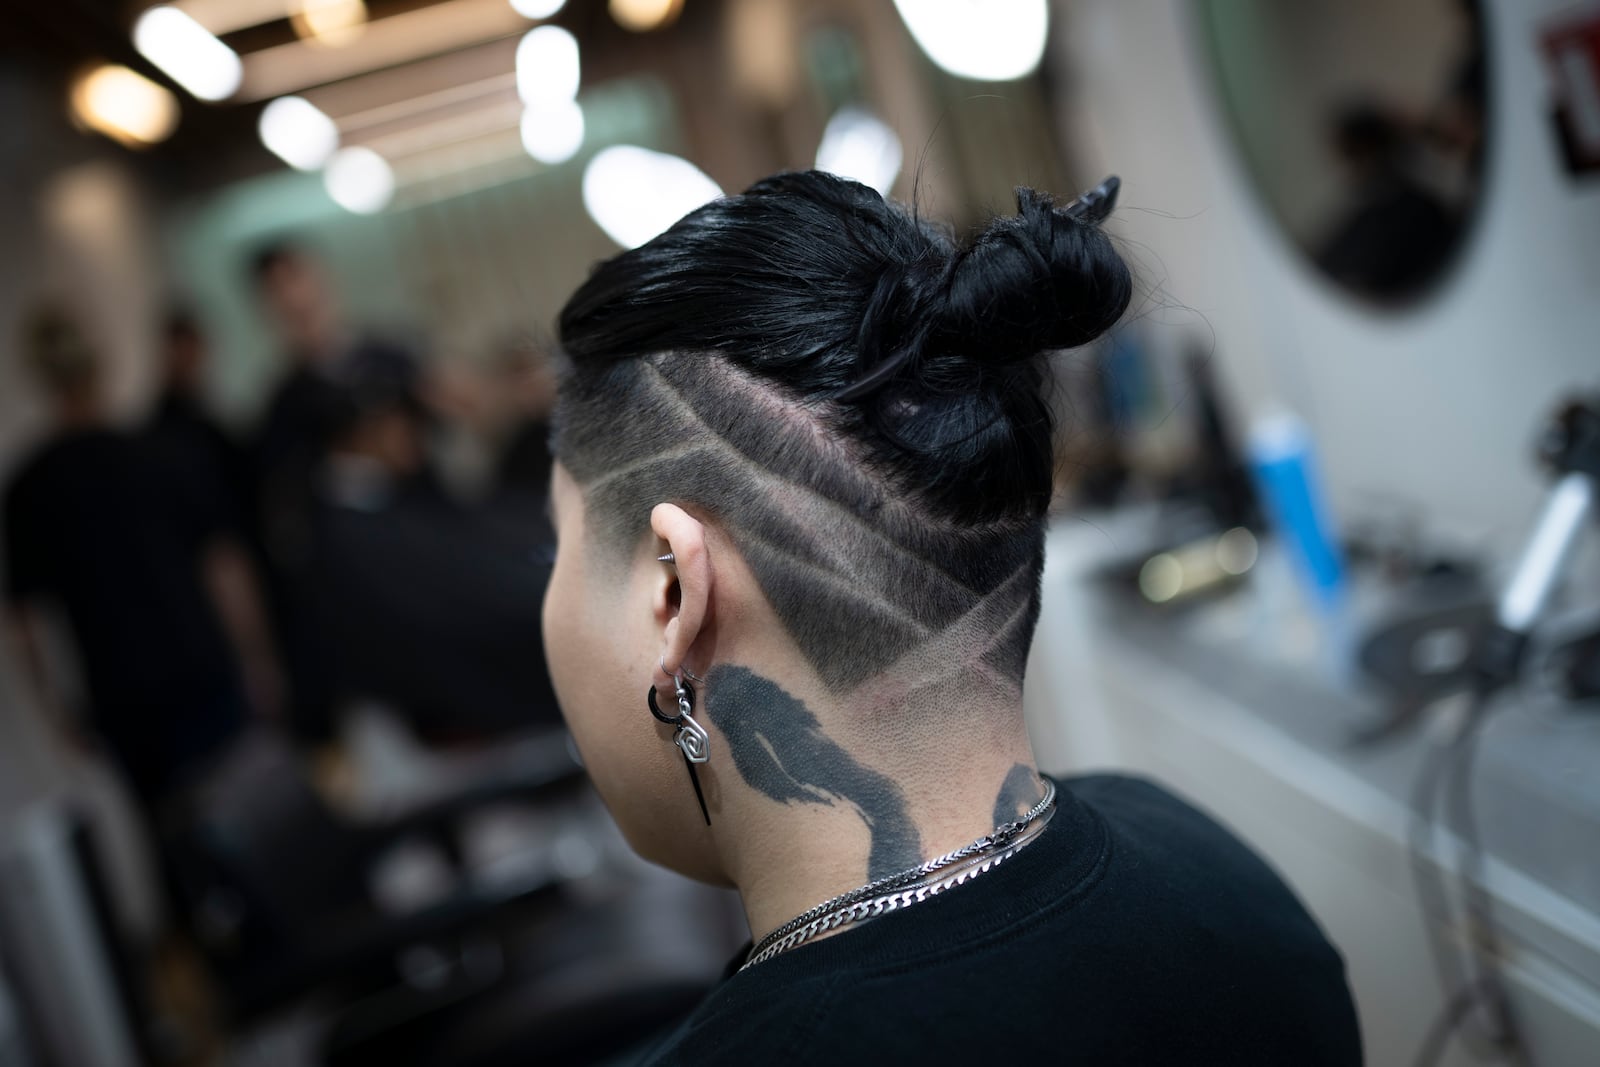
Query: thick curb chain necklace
911,886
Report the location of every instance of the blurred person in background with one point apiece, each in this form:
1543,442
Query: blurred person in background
426,604
180,421
1394,234
802,480
527,382
325,361
130,542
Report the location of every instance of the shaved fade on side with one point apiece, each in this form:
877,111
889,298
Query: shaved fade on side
898,534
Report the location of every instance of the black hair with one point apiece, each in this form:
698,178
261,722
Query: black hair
1364,132
180,324
270,255
858,397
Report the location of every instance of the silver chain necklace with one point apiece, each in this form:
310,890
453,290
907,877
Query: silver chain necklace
911,886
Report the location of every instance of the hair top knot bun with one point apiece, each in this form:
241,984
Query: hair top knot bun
1044,279
927,353
905,304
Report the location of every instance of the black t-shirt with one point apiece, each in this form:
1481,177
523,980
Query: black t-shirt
111,528
417,565
1134,930
313,403
187,433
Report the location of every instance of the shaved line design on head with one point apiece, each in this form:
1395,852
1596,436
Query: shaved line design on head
875,588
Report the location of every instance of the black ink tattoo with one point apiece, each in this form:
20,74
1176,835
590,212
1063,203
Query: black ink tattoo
780,749
1018,793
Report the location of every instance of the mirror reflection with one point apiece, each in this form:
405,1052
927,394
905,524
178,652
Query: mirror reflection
1363,124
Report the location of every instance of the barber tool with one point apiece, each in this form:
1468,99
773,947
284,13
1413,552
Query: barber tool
1482,645
1470,960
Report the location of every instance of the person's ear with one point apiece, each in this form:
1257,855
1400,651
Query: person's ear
681,600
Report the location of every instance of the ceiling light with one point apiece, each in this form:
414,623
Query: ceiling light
359,180
643,15
634,194
187,53
548,69
125,106
537,9
857,144
331,23
988,40
553,133
298,133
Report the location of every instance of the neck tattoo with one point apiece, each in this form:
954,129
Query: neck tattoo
780,748
910,886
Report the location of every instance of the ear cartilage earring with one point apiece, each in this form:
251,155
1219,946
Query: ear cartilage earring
682,671
669,559
692,740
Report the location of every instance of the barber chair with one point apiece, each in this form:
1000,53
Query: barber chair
577,986
279,889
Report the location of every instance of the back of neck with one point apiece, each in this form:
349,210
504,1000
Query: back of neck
826,800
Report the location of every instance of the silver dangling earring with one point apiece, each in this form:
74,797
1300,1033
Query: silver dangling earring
691,738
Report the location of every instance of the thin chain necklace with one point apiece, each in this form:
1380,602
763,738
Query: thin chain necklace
911,886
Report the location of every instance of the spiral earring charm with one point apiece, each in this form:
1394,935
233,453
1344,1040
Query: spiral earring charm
691,739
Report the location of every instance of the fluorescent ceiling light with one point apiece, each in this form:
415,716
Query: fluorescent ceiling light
634,194
548,69
857,144
537,9
328,23
553,133
644,15
187,53
987,40
125,106
298,133
359,180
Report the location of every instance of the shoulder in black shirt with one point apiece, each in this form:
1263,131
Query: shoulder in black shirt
1135,930
111,528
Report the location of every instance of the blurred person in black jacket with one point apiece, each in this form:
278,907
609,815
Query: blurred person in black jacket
129,540
179,418
1394,234
324,360
427,605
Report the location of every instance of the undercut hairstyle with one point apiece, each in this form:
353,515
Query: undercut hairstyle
856,398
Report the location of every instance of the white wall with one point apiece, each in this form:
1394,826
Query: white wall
1435,407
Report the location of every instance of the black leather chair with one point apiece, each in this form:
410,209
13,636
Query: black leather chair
278,888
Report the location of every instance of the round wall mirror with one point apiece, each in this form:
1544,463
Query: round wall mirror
1363,123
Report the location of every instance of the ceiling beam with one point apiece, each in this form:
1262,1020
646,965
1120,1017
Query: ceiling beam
386,42
436,77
